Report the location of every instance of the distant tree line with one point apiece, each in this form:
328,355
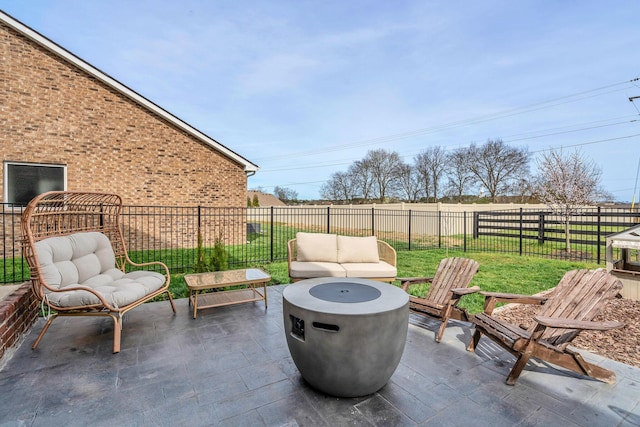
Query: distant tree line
493,169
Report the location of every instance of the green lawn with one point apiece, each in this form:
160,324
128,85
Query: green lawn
498,273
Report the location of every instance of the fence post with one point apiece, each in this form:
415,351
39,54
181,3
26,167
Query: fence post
439,229
599,231
373,221
476,224
328,219
464,229
521,226
541,229
409,231
271,234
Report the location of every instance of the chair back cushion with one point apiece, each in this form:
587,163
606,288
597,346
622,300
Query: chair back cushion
74,259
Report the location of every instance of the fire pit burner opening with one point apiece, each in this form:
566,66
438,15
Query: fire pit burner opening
345,292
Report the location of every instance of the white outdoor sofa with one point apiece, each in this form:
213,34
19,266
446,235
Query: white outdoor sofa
312,255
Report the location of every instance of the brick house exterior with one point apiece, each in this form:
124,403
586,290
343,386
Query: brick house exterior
56,109
59,113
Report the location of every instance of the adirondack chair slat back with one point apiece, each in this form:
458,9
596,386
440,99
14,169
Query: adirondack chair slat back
452,273
580,295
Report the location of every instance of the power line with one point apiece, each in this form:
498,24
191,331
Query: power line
464,122
342,163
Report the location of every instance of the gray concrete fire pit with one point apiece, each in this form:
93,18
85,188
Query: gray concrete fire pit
346,336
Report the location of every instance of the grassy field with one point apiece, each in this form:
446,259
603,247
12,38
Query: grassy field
498,273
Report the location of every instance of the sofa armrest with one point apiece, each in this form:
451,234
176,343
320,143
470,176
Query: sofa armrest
386,253
291,251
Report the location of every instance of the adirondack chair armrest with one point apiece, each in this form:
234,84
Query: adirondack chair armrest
465,291
492,298
515,298
554,322
407,282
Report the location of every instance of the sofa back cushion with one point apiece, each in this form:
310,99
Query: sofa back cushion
74,259
357,249
317,247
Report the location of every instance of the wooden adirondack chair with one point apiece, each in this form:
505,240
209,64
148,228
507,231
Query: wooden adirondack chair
569,309
450,283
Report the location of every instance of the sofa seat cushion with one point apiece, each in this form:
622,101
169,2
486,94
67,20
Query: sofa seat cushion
379,269
317,247
87,259
305,270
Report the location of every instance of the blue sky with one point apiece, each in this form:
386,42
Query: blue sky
304,88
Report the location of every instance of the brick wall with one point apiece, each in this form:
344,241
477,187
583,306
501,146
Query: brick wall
18,312
53,112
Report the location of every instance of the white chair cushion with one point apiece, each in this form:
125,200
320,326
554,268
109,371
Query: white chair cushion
316,247
358,249
87,259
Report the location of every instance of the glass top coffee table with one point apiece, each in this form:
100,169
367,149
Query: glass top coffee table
203,286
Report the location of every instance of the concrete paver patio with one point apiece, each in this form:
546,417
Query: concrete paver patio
231,367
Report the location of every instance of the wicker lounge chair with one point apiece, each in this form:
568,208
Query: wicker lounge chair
450,283
570,308
79,264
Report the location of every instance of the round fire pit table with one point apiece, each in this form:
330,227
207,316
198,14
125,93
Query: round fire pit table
346,336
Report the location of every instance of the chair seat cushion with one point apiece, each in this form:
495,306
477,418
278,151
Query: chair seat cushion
130,288
87,259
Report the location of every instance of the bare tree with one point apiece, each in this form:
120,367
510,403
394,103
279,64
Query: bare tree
409,183
431,165
286,195
362,178
566,184
461,179
341,186
522,188
384,167
424,178
496,165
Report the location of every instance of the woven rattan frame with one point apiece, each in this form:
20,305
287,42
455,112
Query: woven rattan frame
62,213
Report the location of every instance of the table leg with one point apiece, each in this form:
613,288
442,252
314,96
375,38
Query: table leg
195,303
264,287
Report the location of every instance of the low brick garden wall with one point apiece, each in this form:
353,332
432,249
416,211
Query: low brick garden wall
18,312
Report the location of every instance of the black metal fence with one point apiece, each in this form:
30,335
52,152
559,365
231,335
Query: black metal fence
254,236
544,233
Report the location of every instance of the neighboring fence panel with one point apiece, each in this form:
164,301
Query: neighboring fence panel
255,236
543,233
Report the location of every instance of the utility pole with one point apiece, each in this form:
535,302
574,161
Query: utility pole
633,98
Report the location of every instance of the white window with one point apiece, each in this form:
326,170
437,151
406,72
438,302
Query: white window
24,181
